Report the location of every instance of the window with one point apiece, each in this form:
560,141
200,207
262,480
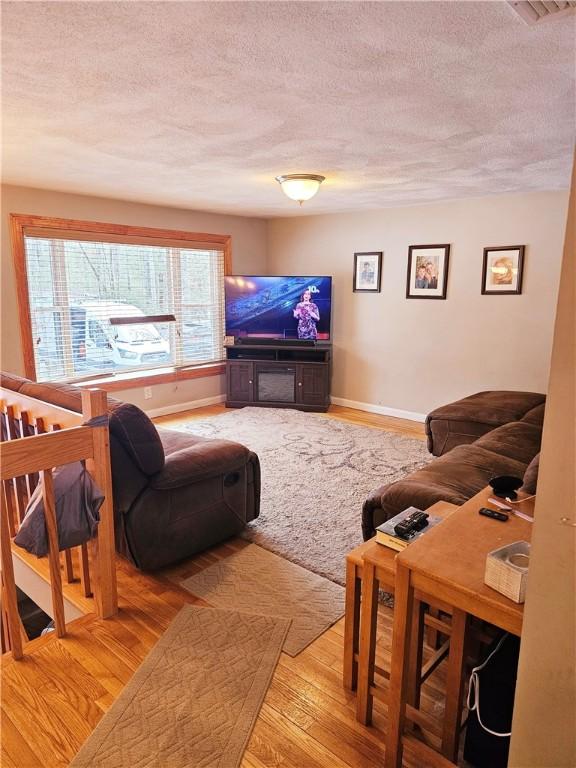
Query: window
100,303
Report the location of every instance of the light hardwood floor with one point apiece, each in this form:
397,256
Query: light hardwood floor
53,699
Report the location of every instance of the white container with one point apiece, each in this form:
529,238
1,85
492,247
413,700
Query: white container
507,570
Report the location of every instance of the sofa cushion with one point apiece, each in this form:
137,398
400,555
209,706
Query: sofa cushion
12,381
518,440
531,476
535,416
465,420
496,408
138,436
454,477
61,395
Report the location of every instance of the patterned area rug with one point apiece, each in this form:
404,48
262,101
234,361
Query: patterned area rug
316,474
256,581
195,698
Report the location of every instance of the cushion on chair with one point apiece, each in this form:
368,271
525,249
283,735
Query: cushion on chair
173,441
138,436
199,461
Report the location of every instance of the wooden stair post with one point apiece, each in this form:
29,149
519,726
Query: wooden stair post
94,404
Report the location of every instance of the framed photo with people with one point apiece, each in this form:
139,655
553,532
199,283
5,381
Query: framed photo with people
367,272
502,269
427,276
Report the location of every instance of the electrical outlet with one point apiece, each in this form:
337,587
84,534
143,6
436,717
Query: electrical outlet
147,393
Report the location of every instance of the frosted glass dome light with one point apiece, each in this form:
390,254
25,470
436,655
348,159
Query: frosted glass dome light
300,186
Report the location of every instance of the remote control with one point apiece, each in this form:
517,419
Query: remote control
411,525
493,514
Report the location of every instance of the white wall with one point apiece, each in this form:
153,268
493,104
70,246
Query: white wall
248,255
413,355
410,355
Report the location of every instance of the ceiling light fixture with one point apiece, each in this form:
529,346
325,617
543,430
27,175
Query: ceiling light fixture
300,186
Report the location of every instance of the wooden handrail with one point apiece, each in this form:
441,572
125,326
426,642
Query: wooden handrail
25,459
26,455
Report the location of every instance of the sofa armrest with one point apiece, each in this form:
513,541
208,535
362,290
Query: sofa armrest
200,461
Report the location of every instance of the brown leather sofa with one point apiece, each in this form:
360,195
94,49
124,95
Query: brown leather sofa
477,438
175,494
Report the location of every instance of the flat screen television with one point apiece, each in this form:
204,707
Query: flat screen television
278,307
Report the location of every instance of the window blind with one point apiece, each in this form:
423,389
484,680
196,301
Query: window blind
77,287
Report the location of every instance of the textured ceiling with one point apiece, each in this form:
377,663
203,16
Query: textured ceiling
200,104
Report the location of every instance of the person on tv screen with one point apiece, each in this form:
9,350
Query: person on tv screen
307,314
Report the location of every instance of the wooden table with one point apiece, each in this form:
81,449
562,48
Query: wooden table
379,572
384,559
448,564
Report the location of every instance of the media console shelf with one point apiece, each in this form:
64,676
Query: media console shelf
278,376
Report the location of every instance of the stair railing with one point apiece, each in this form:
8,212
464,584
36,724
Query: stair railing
37,437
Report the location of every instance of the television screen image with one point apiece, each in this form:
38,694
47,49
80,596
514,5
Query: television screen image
278,307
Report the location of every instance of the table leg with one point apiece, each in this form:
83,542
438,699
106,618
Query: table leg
367,649
351,625
415,658
401,639
454,685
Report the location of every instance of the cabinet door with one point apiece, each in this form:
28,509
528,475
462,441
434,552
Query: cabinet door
240,381
312,384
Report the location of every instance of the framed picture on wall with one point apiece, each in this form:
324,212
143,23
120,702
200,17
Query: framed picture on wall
427,276
502,269
367,272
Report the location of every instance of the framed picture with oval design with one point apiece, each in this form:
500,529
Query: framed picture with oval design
502,270
427,271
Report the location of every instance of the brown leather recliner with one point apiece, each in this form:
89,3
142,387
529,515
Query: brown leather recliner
175,494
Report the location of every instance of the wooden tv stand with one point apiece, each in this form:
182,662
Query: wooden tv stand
274,376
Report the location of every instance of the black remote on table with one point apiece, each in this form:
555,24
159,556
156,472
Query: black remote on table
411,525
493,514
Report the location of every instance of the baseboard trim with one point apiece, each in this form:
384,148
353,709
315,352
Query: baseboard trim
382,410
188,406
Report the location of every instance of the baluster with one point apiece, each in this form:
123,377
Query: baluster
8,495
26,430
4,630
39,425
68,566
53,553
85,571
3,427
7,485
10,600
19,482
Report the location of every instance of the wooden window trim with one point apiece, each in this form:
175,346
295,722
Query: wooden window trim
23,224
139,379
